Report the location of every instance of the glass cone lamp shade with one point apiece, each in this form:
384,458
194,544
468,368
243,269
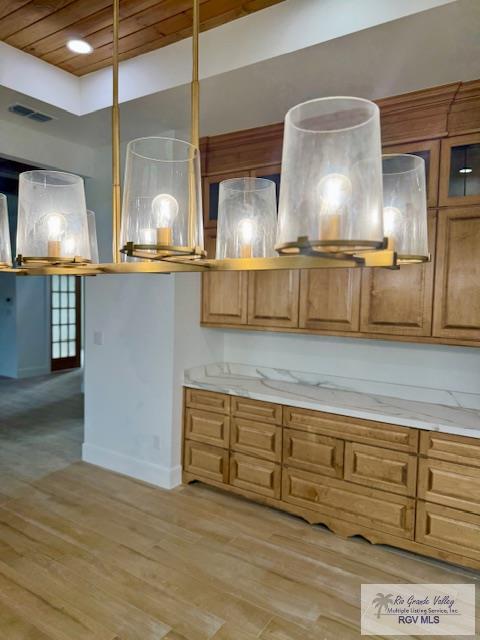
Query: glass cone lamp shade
247,218
52,218
331,190
162,204
405,206
5,249
92,236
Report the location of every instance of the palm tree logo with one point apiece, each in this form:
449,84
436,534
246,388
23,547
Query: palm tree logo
382,602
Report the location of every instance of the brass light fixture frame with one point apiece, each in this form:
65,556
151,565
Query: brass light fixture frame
167,259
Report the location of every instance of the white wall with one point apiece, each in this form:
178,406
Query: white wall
150,330
444,367
8,327
33,326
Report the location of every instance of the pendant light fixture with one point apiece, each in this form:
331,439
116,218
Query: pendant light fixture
247,218
5,251
405,206
331,187
162,200
162,208
52,219
331,211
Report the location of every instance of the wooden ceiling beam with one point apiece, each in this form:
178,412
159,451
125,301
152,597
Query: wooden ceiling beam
43,27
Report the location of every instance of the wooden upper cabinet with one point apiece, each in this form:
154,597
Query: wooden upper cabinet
224,297
460,171
330,299
273,298
399,302
429,150
457,276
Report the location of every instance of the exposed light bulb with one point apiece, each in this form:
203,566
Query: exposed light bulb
465,170
246,228
79,46
335,190
391,218
165,209
55,226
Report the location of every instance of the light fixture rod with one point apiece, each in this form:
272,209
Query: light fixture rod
116,196
195,129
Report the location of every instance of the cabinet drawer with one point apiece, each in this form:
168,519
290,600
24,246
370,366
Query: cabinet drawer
309,451
206,461
448,529
339,499
450,484
381,468
207,400
256,410
445,446
257,439
208,427
355,429
253,474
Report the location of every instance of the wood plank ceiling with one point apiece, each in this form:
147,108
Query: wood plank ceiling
42,27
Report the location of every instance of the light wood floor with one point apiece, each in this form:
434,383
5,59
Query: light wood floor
88,554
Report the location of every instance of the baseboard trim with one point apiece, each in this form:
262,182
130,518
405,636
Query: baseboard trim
164,477
32,372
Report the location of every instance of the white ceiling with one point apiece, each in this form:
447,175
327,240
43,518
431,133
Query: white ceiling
434,47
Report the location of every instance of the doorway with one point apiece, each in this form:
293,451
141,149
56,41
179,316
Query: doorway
66,322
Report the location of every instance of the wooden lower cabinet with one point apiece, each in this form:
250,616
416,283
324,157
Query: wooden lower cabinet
318,454
340,499
256,439
417,490
254,474
450,484
449,530
206,461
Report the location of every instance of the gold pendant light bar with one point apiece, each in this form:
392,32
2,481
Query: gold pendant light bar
116,195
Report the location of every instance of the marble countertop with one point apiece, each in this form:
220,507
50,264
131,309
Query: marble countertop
420,407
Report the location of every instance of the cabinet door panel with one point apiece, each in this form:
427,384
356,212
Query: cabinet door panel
367,507
253,474
451,484
378,468
330,299
400,302
206,461
273,298
459,171
448,529
224,297
312,452
457,277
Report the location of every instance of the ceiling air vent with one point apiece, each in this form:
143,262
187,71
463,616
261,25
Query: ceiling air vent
39,117
22,110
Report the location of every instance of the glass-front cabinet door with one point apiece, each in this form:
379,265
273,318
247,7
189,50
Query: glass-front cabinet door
460,170
430,151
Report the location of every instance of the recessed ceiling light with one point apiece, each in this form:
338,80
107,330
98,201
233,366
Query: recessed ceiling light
79,46
465,170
